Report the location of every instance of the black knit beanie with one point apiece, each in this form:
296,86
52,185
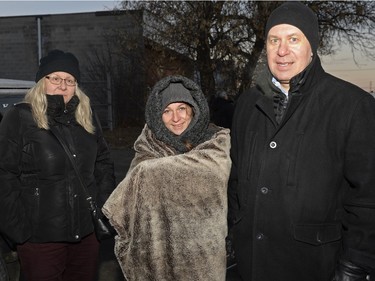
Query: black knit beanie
298,15
57,60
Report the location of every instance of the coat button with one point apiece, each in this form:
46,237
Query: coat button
76,236
273,144
260,236
264,190
74,155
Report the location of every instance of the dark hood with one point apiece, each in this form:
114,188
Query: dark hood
195,134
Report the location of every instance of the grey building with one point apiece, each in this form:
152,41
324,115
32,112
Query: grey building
109,46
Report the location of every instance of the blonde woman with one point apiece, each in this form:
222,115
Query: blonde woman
43,207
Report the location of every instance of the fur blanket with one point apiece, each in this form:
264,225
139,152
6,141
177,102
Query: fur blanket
170,211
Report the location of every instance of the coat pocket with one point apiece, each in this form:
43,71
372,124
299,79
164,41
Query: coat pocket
317,234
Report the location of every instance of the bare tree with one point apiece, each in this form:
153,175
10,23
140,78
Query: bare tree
227,37
119,68
346,22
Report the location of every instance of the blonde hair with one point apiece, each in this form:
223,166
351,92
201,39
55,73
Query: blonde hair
36,97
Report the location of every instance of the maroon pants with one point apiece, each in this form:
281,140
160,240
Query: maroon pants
60,261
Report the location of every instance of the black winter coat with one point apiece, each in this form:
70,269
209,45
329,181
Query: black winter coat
302,193
42,200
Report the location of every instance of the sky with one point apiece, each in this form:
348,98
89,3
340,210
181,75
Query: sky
341,65
22,8
360,72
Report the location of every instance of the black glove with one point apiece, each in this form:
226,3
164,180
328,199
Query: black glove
347,271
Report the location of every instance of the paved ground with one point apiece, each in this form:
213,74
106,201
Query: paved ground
109,269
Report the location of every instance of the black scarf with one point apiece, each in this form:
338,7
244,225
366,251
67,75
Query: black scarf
60,113
280,100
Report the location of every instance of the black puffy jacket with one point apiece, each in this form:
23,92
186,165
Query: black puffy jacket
41,199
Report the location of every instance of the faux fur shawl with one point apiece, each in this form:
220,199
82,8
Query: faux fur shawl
170,211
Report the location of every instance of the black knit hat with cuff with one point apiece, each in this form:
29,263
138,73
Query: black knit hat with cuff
298,15
57,60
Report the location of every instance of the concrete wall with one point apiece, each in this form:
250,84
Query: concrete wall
97,39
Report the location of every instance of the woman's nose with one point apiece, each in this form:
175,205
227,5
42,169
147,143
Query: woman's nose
63,84
175,116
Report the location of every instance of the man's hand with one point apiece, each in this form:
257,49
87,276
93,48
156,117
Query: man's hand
347,271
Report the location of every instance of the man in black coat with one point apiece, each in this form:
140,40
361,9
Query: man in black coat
302,187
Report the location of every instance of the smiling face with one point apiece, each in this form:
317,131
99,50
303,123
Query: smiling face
177,117
60,83
288,52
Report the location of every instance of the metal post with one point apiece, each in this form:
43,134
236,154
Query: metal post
39,26
109,99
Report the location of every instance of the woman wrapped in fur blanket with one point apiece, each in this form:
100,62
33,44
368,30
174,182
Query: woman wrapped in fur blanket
170,211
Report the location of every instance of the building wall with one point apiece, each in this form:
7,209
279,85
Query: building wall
97,40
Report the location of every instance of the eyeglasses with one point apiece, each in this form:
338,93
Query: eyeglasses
56,80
